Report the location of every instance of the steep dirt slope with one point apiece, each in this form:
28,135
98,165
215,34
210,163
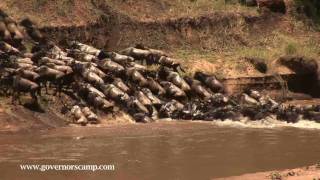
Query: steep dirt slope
204,34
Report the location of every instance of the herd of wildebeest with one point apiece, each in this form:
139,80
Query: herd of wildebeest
143,82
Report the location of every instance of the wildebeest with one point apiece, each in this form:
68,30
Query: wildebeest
80,118
46,60
142,118
108,65
28,74
245,99
154,100
143,98
175,78
197,88
5,47
99,102
169,108
4,32
121,59
31,30
91,116
170,62
136,53
155,87
114,93
85,48
49,75
136,76
20,84
210,81
135,106
92,77
121,85
173,90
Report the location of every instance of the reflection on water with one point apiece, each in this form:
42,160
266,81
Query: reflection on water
187,150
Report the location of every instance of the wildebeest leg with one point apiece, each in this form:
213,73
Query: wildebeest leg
19,99
34,97
13,99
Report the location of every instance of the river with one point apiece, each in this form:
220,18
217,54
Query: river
166,150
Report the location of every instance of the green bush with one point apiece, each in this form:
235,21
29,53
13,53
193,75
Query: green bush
291,49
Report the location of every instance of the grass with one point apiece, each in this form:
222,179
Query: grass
145,9
269,48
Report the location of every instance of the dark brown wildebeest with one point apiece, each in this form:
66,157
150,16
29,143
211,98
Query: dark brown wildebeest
114,93
85,48
211,81
80,118
171,63
32,31
92,77
169,108
4,32
20,84
135,106
136,76
155,87
121,85
46,60
100,102
28,74
139,54
91,116
110,66
142,118
173,90
5,47
198,88
175,78
49,75
121,59
143,98
155,100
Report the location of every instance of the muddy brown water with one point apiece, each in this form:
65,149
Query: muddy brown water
167,150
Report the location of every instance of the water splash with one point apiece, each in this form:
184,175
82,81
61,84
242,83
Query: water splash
269,122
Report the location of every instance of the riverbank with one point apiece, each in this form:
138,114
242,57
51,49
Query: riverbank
307,172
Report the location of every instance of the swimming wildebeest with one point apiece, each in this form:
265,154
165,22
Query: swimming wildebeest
211,81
